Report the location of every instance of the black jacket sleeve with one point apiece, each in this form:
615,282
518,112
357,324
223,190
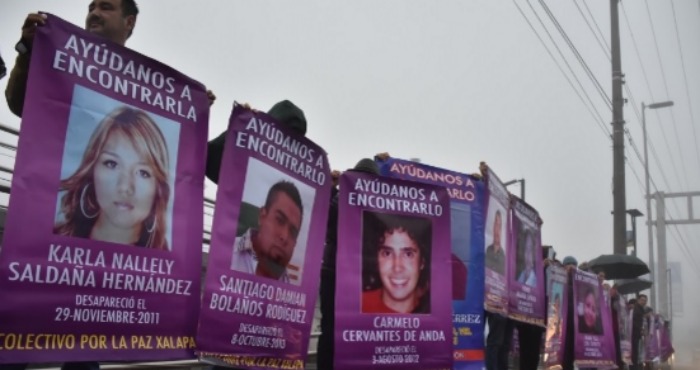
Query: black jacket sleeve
215,151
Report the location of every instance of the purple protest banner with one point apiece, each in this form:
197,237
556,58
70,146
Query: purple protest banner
497,224
101,241
593,337
267,241
394,243
526,284
665,345
467,234
651,351
555,336
625,330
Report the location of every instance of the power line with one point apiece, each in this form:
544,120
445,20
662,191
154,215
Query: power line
606,50
633,145
663,78
634,172
685,81
651,95
679,237
602,37
684,246
650,143
591,109
636,49
578,56
580,59
683,243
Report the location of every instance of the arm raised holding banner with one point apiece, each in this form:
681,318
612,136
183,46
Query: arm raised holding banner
17,84
112,19
285,112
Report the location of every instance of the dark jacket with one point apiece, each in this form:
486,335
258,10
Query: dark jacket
330,250
285,112
17,84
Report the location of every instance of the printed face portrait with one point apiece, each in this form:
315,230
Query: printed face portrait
590,310
273,224
120,190
400,264
396,263
529,252
279,224
554,316
497,228
125,184
495,258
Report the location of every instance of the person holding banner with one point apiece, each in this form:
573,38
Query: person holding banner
399,265
120,191
326,340
637,330
284,112
112,19
571,265
267,250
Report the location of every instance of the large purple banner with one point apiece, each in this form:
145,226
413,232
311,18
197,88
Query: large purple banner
467,224
593,337
558,306
526,273
391,308
497,224
101,242
624,322
267,240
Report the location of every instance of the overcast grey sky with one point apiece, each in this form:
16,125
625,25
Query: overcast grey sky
452,83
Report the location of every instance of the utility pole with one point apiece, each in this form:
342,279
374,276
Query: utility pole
662,296
619,204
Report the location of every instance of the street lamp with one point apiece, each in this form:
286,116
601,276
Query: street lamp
522,186
634,213
648,196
